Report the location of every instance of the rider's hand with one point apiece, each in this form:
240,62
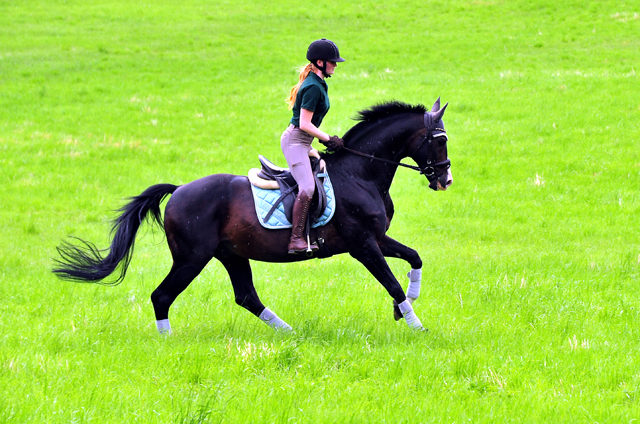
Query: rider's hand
335,143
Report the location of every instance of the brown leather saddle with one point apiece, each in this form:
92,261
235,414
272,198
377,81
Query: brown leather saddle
270,176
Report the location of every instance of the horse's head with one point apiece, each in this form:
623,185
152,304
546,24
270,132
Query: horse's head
392,131
431,153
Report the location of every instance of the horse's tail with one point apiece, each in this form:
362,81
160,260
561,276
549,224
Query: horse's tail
87,263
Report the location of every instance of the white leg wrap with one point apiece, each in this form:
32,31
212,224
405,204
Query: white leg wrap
412,319
163,326
415,278
274,321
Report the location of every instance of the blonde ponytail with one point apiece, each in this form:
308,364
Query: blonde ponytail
304,73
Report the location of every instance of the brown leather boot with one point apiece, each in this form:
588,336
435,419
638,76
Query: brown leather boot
298,242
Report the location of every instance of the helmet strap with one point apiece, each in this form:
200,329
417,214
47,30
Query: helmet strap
322,68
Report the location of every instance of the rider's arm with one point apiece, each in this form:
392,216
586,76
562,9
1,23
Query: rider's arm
309,128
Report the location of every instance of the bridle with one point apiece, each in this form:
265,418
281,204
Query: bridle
429,170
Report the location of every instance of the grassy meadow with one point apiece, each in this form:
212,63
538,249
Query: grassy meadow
532,258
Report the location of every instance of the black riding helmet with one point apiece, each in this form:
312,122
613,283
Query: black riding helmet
325,50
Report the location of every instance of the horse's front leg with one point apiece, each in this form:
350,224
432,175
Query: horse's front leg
372,258
394,249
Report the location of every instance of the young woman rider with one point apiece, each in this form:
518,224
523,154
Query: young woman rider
309,101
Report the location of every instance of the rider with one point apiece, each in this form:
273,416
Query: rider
309,101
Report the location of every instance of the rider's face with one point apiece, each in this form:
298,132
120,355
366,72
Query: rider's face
331,67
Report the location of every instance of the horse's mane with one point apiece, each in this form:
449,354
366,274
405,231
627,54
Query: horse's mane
380,111
387,109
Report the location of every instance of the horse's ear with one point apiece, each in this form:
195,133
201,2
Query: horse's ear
438,115
436,106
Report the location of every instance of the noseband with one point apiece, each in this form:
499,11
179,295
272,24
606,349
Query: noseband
429,170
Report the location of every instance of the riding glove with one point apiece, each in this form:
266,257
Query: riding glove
334,143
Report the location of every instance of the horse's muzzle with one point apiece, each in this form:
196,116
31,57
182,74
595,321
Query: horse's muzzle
443,182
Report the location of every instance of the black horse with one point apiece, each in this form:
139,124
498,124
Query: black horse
214,217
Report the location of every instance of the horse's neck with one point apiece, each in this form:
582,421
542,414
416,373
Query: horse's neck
381,141
385,144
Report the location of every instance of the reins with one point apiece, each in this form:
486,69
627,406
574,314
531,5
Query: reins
427,171
368,156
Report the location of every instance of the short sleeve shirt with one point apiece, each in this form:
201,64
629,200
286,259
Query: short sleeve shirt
313,95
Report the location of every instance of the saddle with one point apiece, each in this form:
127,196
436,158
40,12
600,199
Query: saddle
272,177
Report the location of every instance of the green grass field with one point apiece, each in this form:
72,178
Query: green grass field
532,258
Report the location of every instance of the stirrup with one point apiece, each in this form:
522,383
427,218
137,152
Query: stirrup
309,250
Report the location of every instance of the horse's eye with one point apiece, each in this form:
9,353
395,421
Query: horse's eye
442,141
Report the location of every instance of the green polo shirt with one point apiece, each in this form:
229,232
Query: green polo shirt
313,95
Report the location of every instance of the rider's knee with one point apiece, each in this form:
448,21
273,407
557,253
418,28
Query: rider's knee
307,191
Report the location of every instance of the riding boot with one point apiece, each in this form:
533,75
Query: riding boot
298,242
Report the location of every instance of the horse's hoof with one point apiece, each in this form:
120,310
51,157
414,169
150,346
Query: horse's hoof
397,315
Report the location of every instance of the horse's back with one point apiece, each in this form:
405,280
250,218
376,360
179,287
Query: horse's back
199,206
212,188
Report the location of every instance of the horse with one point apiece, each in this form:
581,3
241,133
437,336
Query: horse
215,217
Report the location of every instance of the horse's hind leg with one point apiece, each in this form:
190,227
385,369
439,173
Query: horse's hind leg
239,270
180,276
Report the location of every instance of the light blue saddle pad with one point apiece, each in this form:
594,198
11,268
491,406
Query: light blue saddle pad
264,200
